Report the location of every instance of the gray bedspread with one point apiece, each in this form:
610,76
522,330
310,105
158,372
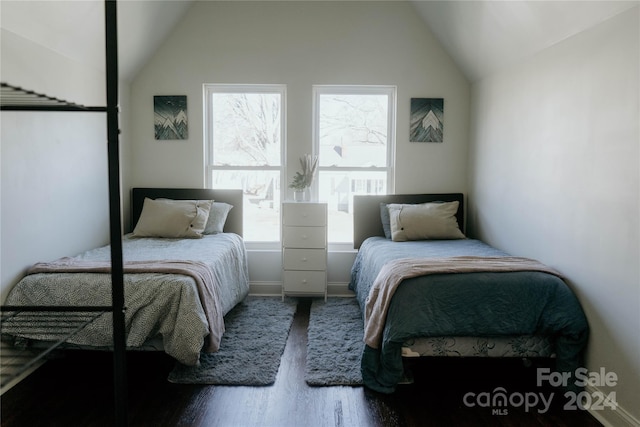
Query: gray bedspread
157,304
467,304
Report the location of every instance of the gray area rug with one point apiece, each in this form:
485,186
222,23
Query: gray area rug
251,348
335,343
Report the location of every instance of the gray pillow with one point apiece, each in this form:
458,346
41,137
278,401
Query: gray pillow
386,220
217,217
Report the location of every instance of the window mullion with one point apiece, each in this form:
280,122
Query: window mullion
352,169
247,168
351,123
238,138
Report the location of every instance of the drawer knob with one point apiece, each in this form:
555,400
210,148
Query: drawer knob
304,280
304,236
304,260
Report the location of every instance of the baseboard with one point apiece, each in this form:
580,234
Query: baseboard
265,289
334,289
337,289
619,417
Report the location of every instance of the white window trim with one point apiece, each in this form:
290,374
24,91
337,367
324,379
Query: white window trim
209,89
212,88
391,92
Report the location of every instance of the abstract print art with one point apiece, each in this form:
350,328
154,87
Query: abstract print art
170,117
426,123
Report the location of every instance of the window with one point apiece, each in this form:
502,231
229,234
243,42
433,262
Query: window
354,136
244,140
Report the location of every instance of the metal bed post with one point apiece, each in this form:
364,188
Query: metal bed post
17,99
115,214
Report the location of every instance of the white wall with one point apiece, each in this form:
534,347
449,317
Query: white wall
301,44
54,189
554,162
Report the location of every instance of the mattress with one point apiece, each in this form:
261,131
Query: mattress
523,346
488,308
159,306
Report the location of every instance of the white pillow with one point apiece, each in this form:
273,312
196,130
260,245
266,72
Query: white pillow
424,221
172,218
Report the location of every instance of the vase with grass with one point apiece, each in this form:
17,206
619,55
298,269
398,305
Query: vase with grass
303,179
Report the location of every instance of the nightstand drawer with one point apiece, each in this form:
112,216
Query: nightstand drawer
305,281
305,259
301,214
304,237
304,248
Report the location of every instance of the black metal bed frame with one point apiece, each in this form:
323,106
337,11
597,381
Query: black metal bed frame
17,99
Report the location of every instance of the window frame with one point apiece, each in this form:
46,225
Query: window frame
209,89
391,92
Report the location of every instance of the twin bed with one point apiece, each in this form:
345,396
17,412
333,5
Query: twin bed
423,287
185,267
427,290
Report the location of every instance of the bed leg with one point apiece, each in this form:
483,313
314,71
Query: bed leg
407,375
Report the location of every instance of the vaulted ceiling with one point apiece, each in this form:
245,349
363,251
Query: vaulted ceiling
75,29
485,36
481,36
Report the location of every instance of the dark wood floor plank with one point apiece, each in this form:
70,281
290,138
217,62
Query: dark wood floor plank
77,391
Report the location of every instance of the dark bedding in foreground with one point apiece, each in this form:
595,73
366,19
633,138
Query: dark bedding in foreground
464,304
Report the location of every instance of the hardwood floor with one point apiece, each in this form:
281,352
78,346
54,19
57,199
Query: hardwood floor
77,391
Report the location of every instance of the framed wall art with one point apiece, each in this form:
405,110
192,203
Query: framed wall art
426,122
170,117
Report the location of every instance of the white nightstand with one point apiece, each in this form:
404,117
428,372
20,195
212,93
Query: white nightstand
304,249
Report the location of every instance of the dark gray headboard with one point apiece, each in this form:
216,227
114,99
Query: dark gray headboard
366,211
233,197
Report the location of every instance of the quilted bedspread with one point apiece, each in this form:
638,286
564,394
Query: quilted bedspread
464,304
157,304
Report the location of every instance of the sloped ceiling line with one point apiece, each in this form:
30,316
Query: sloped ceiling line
480,36
485,36
75,29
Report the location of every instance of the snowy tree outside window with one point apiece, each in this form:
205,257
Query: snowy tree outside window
244,140
354,135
